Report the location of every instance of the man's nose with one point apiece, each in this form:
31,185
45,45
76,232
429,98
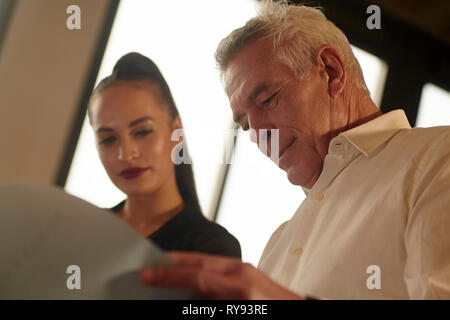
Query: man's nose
260,129
128,151
260,136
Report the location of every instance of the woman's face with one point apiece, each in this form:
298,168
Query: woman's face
133,130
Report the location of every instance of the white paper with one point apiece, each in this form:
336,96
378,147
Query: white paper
44,230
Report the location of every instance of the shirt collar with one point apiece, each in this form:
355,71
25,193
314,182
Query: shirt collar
306,191
370,135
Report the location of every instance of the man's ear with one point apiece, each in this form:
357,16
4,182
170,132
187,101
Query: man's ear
330,61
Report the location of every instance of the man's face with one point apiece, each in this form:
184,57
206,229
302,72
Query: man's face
265,94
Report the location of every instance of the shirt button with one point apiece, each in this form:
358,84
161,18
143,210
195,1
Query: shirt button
318,196
297,251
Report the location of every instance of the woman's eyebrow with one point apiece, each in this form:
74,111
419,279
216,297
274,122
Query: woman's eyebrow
132,124
137,121
103,129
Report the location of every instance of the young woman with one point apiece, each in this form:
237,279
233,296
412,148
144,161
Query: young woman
133,115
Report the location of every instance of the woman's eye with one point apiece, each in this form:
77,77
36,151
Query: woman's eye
143,132
107,140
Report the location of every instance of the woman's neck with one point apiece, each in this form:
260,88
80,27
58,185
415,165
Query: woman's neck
147,213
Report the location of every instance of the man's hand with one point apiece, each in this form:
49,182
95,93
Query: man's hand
215,277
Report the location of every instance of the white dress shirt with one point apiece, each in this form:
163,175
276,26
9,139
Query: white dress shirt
376,224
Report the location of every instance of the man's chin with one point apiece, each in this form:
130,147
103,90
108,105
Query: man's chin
295,178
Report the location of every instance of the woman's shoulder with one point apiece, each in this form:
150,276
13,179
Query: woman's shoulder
210,237
201,223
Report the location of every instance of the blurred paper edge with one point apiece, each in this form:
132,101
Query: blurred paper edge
56,246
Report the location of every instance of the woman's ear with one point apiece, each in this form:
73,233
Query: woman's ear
330,61
176,125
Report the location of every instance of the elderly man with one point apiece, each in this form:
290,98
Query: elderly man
376,221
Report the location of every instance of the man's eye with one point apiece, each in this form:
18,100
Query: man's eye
107,140
266,102
143,132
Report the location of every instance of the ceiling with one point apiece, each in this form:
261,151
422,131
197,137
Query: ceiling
430,16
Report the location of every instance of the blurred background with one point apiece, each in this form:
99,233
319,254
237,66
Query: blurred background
48,71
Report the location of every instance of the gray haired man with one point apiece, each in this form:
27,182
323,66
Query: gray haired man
376,221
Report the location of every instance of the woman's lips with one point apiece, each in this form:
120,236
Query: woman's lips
133,173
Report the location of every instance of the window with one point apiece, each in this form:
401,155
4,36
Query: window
181,39
374,71
434,107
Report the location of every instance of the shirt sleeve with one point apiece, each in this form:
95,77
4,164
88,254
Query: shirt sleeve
427,234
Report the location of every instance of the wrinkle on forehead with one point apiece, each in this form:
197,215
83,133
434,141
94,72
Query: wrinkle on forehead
238,82
249,63
254,65
235,90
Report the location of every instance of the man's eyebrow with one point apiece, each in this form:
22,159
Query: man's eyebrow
258,89
132,124
251,98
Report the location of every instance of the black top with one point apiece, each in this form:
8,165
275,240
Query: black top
189,230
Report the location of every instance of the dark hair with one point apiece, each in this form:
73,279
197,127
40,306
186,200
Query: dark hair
136,67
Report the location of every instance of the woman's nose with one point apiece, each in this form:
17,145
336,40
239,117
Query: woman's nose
128,151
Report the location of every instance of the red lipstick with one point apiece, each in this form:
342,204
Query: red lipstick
132,173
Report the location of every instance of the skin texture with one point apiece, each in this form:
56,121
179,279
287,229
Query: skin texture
265,94
152,197
308,113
